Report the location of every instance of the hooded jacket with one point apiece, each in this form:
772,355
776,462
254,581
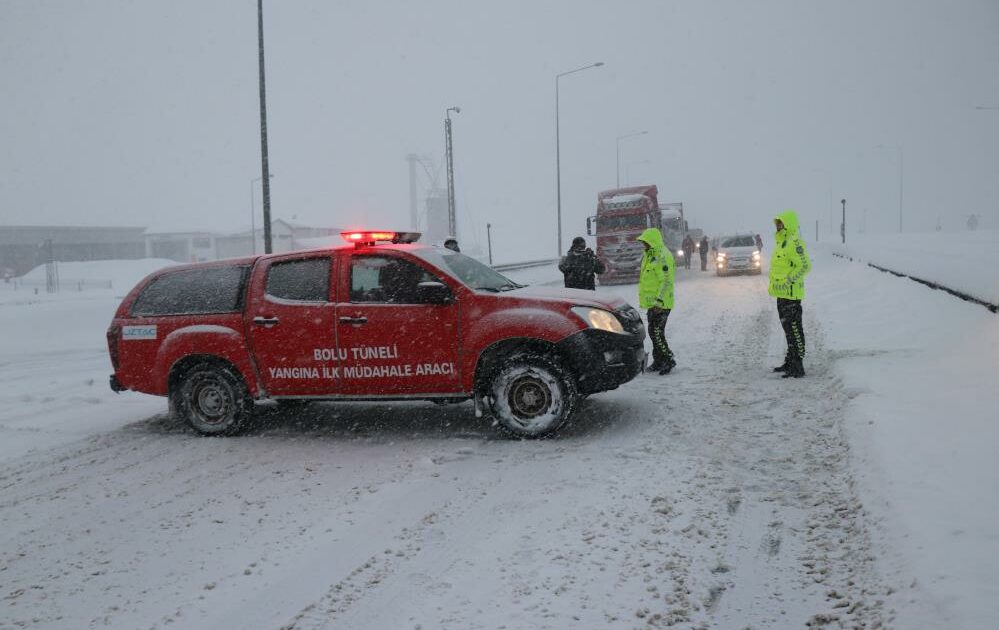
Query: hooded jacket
578,267
789,263
656,278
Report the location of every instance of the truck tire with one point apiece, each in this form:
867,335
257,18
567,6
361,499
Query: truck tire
212,398
531,396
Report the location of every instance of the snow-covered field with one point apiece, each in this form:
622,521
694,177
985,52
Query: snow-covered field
962,261
720,496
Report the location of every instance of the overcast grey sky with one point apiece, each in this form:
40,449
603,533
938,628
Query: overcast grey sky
146,113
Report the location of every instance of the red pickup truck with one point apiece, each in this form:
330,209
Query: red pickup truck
368,321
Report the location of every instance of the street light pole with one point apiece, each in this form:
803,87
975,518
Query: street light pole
842,226
253,212
558,167
619,139
452,218
489,241
898,148
264,164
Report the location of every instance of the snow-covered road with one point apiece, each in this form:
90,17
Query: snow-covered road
717,496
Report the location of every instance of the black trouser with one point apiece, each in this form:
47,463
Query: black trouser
789,312
704,262
661,354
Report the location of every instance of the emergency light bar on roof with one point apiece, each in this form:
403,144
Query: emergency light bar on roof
370,237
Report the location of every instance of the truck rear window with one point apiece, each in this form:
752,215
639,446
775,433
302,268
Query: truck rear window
193,291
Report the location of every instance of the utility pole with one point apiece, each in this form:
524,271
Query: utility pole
264,164
558,167
452,218
413,216
842,226
489,241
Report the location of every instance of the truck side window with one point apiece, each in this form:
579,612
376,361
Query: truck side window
193,292
306,280
385,279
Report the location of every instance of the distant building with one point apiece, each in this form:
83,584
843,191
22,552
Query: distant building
182,246
23,247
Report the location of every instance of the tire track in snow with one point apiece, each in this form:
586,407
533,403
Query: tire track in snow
774,485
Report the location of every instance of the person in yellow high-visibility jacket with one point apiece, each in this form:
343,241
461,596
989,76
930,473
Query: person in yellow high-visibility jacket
655,293
789,264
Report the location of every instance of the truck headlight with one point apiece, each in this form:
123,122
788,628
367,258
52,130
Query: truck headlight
756,255
679,253
721,258
598,318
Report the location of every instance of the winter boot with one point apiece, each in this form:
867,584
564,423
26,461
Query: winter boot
783,366
795,369
655,366
668,366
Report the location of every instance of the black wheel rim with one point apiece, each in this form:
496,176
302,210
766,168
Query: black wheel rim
212,402
529,398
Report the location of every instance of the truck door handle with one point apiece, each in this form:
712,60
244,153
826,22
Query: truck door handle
265,321
354,321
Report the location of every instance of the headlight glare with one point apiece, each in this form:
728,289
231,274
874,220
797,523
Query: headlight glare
598,318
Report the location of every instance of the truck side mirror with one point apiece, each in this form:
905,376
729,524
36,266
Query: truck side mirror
434,293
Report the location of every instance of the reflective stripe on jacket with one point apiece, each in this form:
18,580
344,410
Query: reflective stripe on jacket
789,263
656,279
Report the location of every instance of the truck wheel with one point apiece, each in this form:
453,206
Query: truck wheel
532,396
213,400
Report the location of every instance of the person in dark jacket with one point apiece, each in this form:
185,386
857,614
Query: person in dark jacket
759,243
704,253
688,251
579,264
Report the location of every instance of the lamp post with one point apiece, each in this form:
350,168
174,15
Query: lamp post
619,139
253,212
898,148
489,241
842,226
452,218
264,163
558,167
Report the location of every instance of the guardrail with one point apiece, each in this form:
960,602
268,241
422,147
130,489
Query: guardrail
933,285
525,265
19,284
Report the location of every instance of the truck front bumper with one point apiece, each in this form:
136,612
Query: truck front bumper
603,360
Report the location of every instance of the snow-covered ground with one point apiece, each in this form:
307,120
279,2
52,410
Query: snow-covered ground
962,261
718,496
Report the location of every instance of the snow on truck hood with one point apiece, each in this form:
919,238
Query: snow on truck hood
580,297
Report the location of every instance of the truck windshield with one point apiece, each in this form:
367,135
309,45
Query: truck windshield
622,222
470,271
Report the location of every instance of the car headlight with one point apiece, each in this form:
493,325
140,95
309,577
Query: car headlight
598,318
721,258
756,255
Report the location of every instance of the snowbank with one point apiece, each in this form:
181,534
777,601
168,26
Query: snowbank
963,261
920,366
121,274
